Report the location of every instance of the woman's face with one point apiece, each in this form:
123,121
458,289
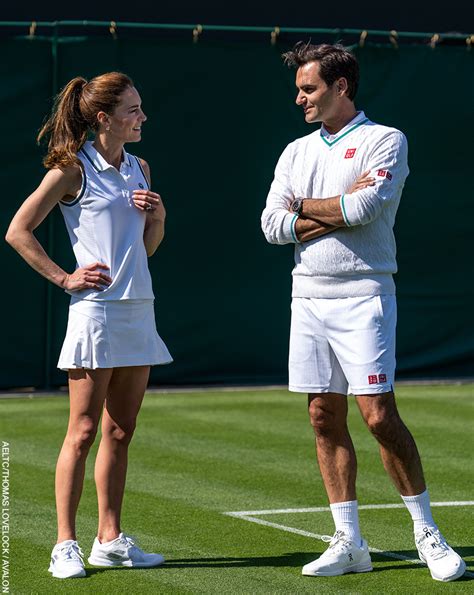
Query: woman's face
126,121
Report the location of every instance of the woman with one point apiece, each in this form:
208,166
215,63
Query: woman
114,222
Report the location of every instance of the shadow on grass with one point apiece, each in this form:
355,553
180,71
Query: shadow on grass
290,560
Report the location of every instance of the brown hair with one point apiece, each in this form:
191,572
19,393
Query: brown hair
75,114
335,61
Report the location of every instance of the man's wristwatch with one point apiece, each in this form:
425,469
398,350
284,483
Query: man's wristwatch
297,205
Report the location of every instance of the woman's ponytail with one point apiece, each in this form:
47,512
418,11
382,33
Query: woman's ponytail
75,114
66,129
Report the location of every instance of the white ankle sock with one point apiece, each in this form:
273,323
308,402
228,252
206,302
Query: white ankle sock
346,518
420,510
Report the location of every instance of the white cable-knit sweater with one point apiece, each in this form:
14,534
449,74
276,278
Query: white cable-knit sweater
359,259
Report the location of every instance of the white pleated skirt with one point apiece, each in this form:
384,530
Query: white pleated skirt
112,334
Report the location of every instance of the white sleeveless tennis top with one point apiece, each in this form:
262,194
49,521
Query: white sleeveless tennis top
105,226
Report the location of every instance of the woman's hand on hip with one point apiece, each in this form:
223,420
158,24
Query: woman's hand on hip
91,276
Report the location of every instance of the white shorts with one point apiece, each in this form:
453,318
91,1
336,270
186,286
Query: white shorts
343,345
112,335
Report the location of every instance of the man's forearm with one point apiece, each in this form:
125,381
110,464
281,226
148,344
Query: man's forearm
324,210
309,229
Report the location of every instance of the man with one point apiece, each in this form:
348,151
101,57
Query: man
335,195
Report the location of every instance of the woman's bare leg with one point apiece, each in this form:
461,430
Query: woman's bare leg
87,392
126,390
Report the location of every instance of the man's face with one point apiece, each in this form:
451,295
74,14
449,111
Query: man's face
318,101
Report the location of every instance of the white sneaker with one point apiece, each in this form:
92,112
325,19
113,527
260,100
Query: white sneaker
444,563
342,556
66,560
122,551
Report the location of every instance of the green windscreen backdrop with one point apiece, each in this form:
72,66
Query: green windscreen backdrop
219,115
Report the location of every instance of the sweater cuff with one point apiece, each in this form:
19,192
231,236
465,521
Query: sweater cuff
289,230
343,210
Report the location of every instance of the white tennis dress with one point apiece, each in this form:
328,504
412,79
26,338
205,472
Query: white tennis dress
114,327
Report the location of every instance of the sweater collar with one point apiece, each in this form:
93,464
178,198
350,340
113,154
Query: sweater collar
331,139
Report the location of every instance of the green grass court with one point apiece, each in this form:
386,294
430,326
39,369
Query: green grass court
197,456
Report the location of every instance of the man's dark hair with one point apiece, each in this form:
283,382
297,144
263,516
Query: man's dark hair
335,61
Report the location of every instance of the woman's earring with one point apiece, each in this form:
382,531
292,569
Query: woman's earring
108,128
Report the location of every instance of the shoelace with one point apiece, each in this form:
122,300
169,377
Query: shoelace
337,542
433,545
73,550
129,542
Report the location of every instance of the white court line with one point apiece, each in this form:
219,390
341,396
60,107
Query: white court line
248,516
327,509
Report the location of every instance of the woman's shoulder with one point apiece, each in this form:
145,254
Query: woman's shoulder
143,165
69,178
142,161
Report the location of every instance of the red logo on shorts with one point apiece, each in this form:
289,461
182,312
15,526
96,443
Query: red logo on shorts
383,173
373,379
350,153
382,378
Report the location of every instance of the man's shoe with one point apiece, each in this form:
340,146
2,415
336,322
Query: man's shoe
122,551
444,563
342,556
66,560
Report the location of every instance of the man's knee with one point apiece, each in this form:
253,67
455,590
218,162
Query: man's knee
324,419
382,418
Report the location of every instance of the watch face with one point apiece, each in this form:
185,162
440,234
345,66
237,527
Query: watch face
296,205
